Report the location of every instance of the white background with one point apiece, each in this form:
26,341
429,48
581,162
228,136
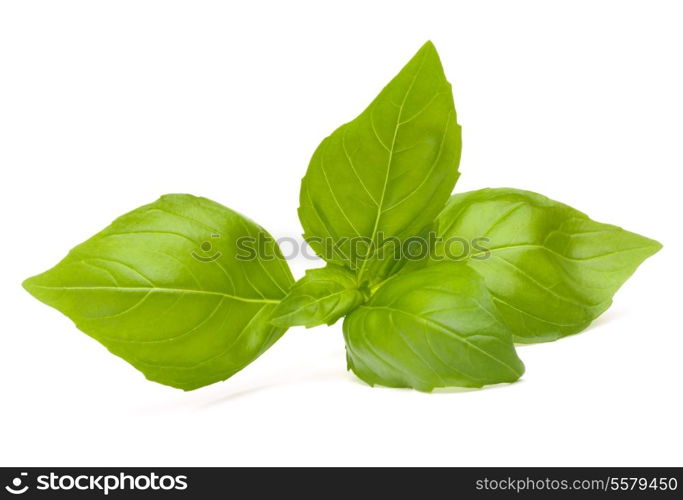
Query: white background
104,106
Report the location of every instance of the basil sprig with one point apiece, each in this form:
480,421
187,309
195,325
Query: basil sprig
177,289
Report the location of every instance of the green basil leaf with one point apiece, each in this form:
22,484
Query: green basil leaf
551,269
385,175
322,296
435,327
168,288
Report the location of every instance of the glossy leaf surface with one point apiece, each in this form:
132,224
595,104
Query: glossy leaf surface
435,327
550,269
386,174
322,296
164,287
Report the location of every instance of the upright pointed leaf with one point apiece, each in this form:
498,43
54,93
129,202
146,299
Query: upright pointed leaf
384,176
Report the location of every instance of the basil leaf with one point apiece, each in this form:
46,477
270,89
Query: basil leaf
436,327
322,296
551,269
385,175
167,288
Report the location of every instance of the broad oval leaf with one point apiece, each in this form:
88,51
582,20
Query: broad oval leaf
322,296
168,288
385,175
550,269
435,327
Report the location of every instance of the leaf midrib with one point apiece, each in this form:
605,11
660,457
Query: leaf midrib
380,205
554,252
141,289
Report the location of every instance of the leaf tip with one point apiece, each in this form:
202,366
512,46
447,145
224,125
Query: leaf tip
650,247
656,246
428,45
428,49
29,284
